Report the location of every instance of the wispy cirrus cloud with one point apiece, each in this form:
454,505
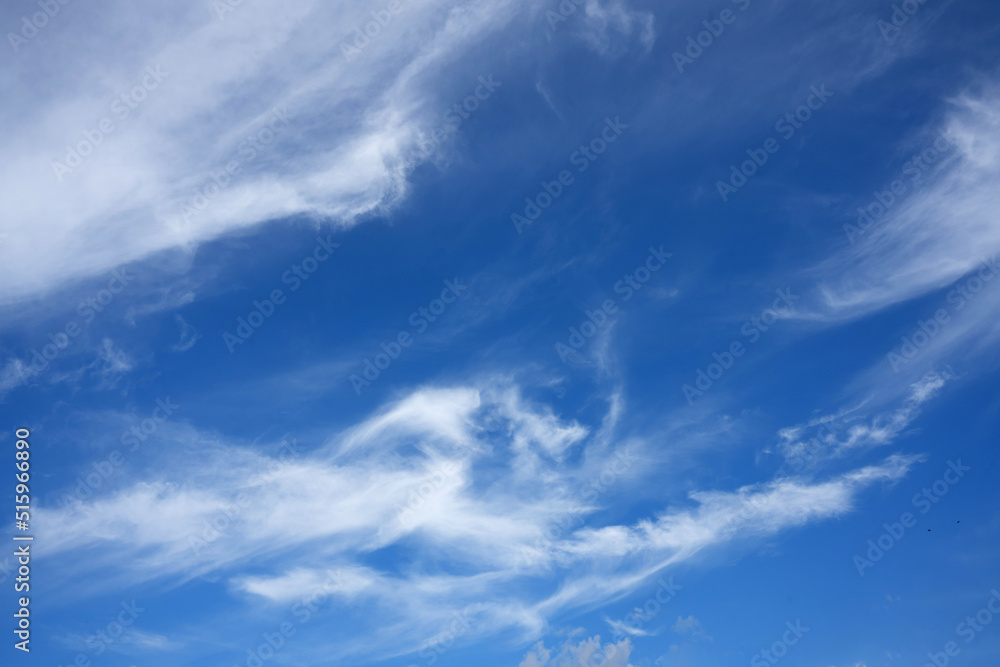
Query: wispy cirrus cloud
810,445
282,124
938,233
483,471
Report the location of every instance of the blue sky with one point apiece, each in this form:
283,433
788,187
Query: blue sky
515,334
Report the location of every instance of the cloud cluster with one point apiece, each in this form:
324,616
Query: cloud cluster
809,445
219,121
584,654
463,479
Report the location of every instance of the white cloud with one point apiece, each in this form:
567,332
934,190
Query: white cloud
427,477
352,129
14,373
607,26
299,582
942,228
813,443
620,628
109,366
148,640
588,652
189,336
268,88
690,626
113,361
938,236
